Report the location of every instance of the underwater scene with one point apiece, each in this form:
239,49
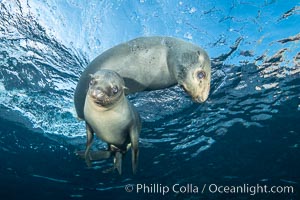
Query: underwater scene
243,142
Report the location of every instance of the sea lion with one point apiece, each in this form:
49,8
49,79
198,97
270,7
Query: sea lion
151,63
109,115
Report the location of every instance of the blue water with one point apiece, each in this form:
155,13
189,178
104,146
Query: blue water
247,132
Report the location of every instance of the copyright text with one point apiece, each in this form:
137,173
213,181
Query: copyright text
252,190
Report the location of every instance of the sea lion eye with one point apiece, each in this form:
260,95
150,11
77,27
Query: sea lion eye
201,75
92,82
115,90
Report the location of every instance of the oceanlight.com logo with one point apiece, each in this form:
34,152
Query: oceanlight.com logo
250,189
208,188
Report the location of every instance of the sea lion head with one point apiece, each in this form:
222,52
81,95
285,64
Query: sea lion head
194,74
106,87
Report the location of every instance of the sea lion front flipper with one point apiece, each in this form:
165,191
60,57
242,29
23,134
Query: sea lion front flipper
118,162
134,140
89,141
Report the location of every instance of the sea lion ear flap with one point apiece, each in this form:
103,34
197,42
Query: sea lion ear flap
125,88
201,57
92,75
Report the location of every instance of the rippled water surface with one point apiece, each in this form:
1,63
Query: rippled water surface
247,132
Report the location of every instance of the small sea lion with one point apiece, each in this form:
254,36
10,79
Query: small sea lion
109,115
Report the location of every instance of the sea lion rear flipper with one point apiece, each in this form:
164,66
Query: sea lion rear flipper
80,154
99,155
118,161
95,155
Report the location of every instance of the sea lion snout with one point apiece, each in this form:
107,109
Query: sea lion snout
204,94
97,94
100,93
201,99
199,93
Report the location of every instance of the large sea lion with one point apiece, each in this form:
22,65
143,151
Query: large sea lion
109,115
151,63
